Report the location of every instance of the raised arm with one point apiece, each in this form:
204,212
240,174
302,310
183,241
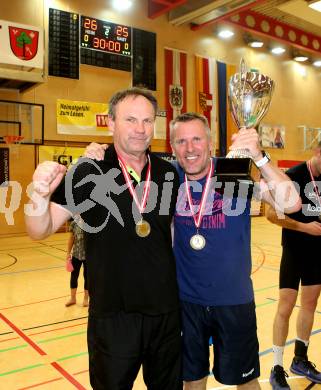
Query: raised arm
312,228
275,187
43,217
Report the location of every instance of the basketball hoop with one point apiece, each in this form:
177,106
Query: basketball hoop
14,141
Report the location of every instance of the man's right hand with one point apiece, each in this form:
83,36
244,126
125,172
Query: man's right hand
96,151
312,228
47,177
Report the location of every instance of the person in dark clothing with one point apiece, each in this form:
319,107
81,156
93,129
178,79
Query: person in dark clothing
300,264
127,202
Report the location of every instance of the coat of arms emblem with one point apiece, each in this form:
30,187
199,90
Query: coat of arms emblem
205,101
23,42
176,97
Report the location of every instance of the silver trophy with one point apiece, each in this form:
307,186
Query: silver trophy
249,96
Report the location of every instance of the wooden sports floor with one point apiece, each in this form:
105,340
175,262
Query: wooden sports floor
43,343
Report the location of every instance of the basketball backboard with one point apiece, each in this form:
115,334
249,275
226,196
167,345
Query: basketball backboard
22,119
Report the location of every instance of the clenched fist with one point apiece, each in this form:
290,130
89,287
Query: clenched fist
47,177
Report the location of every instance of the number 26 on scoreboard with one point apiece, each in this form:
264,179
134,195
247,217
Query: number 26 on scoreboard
90,24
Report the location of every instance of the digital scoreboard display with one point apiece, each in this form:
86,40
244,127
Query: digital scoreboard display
105,36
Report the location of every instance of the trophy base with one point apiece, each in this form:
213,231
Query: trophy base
237,170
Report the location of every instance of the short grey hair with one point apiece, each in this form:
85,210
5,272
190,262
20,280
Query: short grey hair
121,95
188,117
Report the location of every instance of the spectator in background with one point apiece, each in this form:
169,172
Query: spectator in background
77,256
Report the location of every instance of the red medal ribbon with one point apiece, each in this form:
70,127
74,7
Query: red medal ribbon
198,217
141,206
313,182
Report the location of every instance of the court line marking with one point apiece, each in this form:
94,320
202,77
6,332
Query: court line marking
262,261
30,270
266,288
297,306
40,384
40,251
45,331
53,323
36,302
50,381
44,341
264,304
29,247
41,352
291,341
260,381
22,369
42,364
10,265
50,254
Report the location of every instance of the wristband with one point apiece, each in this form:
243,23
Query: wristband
264,160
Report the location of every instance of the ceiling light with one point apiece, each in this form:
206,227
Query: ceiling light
316,5
225,34
253,42
317,63
122,5
256,44
278,50
300,58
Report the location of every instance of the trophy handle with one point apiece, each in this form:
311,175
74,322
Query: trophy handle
239,153
243,68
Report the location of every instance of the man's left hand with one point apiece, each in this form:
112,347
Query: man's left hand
247,139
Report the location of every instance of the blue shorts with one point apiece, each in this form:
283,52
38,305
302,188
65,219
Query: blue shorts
235,343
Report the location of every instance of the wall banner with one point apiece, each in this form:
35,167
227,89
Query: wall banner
82,118
175,86
4,165
60,154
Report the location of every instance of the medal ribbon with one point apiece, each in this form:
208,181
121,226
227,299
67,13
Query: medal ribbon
198,218
314,184
141,206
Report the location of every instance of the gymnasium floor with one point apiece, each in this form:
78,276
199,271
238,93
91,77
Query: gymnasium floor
43,344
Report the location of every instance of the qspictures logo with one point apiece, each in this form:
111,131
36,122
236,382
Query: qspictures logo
104,189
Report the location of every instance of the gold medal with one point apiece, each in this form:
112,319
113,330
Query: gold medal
142,228
197,242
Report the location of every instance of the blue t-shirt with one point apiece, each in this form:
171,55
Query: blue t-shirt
219,274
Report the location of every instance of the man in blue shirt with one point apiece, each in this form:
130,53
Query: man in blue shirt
213,255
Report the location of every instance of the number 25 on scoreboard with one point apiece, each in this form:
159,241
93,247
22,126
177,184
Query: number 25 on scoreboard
122,31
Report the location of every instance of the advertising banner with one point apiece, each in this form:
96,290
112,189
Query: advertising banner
82,118
62,155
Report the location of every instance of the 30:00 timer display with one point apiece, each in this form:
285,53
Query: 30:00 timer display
106,36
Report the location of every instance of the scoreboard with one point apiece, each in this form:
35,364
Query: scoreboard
100,43
105,36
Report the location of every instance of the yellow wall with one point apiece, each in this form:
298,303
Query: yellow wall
296,99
